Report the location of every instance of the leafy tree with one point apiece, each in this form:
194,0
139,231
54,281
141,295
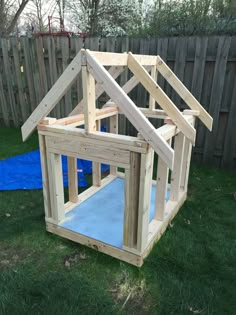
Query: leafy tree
190,17
106,17
10,11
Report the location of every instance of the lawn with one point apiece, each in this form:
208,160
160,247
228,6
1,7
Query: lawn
191,270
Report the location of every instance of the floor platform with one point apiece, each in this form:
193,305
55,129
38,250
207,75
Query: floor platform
101,216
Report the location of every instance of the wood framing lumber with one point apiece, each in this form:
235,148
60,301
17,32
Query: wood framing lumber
131,111
152,101
155,113
186,165
186,161
96,166
89,100
114,72
131,201
72,179
95,152
161,189
183,92
99,138
169,130
121,254
99,114
177,170
128,86
45,180
161,98
120,59
58,90
113,129
48,121
145,185
56,191
157,228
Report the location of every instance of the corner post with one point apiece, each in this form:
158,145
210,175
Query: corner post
45,177
145,186
56,186
177,169
131,209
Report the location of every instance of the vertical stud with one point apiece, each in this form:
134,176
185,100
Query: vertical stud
145,187
177,169
72,179
56,186
89,100
132,176
113,129
96,165
45,180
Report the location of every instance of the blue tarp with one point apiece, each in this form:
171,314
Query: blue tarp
24,172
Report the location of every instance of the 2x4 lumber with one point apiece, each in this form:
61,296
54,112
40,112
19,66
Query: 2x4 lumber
186,165
113,129
96,166
145,185
57,192
130,258
154,113
183,92
177,170
45,180
150,113
100,138
169,130
131,111
157,228
89,100
95,152
48,121
100,114
161,98
114,72
161,189
120,59
152,101
131,202
72,179
127,87
58,90
186,161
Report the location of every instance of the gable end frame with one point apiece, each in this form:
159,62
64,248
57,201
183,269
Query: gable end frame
131,111
54,95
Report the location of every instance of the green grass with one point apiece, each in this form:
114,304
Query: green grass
191,270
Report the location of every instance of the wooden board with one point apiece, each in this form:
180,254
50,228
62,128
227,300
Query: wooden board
135,116
184,93
94,152
161,98
97,137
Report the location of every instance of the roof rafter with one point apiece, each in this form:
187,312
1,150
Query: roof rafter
135,116
57,91
183,92
161,98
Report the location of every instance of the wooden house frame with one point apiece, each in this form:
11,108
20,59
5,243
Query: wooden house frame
134,154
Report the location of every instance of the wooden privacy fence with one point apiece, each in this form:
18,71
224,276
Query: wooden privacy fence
206,65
